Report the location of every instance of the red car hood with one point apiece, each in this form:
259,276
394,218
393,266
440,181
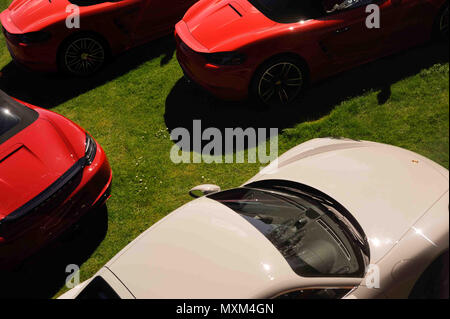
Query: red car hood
216,22
28,165
25,13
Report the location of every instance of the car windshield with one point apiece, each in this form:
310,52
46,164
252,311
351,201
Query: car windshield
14,117
308,235
98,288
7,120
291,11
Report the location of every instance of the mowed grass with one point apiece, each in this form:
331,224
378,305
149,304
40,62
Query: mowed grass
128,115
4,54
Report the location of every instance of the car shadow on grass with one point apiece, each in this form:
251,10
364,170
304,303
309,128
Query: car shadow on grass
186,102
44,274
48,90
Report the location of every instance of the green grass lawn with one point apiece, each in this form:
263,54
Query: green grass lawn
401,100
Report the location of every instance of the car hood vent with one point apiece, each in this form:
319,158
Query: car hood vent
240,14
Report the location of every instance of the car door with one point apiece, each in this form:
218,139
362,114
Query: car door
159,17
410,21
321,288
347,40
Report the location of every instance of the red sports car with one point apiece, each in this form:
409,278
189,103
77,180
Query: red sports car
51,173
43,35
270,49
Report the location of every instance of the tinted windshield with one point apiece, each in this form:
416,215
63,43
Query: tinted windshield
7,120
98,288
308,235
14,117
289,11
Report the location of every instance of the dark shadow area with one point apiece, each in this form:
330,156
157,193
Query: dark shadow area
384,95
50,90
86,3
186,102
434,281
44,274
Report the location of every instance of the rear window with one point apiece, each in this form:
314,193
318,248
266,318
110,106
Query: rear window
14,117
309,236
98,288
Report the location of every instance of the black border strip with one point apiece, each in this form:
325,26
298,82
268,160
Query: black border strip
46,194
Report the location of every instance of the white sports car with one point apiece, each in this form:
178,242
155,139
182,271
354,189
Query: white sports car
331,218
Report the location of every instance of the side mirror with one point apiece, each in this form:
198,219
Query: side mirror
202,190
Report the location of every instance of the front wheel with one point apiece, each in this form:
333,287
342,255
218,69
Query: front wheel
82,55
441,23
279,81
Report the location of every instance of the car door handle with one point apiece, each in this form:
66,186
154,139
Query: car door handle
342,30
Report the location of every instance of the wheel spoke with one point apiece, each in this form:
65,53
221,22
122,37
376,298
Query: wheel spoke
73,62
284,98
95,58
268,77
76,46
286,69
294,82
266,96
96,51
91,46
78,66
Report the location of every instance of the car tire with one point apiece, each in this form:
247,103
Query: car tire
83,55
440,28
279,81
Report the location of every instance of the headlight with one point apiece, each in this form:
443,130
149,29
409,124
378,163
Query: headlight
90,149
33,37
225,58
